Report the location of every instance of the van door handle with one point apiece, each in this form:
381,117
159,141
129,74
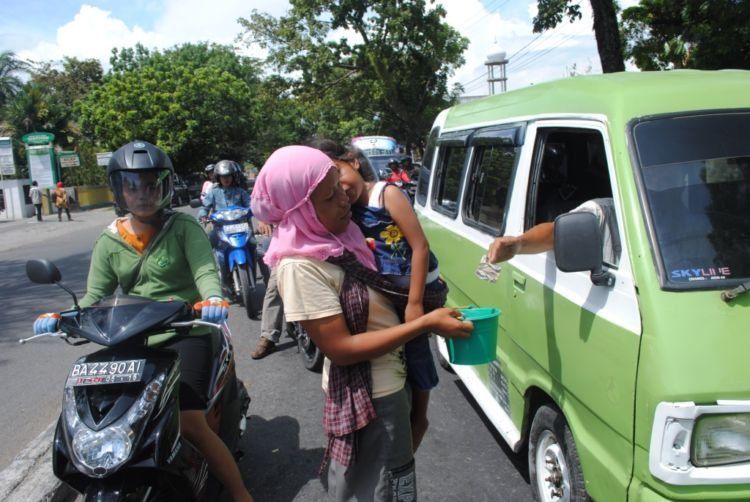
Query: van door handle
519,281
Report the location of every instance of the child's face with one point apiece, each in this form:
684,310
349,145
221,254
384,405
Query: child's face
331,203
350,179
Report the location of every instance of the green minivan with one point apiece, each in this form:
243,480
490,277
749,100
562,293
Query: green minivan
625,373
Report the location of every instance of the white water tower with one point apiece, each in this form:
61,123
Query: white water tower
496,63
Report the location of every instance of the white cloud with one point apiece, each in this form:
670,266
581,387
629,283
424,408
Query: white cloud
92,33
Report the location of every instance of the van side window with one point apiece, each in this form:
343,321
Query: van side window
488,188
424,171
569,169
448,179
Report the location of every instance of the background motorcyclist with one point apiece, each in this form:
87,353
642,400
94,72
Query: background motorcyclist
398,175
165,244
209,183
225,192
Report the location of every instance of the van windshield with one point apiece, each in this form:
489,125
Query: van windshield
696,174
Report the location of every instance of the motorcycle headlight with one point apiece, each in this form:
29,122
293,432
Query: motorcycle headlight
99,453
721,439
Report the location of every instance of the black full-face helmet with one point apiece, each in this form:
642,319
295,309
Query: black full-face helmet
140,168
394,164
227,168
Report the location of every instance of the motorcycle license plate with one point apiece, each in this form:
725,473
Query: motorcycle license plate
105,373
236,228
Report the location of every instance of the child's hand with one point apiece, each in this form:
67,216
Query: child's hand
448,323
413,311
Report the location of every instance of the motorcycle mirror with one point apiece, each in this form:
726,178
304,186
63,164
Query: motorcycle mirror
42,272
195,203
46,272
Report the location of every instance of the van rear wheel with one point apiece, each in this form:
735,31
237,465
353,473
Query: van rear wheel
555,470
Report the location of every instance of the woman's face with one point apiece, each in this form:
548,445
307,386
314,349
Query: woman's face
331,203
226,180
142,193
350,179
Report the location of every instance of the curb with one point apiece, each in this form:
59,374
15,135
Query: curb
29,477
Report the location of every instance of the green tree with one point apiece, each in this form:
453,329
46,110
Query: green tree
606,28
389,75
10,80
196,101
72,82
663,34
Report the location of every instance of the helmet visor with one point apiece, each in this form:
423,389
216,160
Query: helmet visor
143,191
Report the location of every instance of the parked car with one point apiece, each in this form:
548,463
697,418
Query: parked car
181,194
195,184
622,371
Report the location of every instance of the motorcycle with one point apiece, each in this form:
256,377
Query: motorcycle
118,435
312,357
236,256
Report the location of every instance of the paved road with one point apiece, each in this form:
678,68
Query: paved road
461,458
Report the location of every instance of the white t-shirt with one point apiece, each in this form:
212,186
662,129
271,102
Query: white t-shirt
310,289
604,210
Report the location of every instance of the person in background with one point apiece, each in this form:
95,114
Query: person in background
329,284
62,201
36,199
272,318
175,252
398,175
209,183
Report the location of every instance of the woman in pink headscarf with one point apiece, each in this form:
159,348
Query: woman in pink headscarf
328,283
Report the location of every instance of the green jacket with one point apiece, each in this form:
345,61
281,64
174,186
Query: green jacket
178,264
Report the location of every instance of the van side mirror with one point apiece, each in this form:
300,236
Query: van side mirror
578,246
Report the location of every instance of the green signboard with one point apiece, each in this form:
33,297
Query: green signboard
69,159
38,138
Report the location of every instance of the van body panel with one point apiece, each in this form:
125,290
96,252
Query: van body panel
607,357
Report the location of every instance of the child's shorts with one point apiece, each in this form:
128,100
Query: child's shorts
420,365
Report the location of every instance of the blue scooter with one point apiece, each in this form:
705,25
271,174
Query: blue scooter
237,255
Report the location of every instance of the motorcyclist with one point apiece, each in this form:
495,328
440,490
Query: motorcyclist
398,175
225,192
147,253
209,183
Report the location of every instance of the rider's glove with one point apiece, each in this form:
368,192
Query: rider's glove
46,323
213,309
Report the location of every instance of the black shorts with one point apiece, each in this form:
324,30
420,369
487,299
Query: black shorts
195,370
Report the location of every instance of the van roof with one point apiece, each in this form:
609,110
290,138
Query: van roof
619,96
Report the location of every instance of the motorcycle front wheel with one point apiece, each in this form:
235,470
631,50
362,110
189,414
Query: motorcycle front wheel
247,286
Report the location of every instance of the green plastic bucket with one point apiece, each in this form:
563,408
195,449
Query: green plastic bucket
480,347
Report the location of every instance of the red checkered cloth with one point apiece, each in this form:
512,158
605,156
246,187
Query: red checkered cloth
348,406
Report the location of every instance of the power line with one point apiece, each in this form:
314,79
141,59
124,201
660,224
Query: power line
542,54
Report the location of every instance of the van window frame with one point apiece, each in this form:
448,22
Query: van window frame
543,132
505,135
446,142
422,195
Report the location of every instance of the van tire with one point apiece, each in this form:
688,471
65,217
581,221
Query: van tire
555,471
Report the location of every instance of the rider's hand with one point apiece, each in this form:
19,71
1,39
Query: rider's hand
503,249
204,220
46,323
448,323
213,309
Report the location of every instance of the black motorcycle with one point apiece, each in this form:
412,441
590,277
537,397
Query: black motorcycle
118,436
312,357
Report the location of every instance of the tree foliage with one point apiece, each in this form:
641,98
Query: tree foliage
606,28
363,66
663,34
195,101
10,81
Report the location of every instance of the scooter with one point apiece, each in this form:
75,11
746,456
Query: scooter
118,436
236,256
312,357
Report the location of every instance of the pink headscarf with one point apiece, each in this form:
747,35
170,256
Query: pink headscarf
281,196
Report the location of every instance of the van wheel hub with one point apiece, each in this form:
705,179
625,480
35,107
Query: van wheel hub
553,478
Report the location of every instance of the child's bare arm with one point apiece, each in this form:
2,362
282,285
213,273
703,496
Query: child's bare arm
400,209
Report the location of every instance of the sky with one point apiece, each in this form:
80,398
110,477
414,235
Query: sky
47,30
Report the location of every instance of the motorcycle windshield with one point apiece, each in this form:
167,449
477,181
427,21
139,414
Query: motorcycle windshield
119,318
230,213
